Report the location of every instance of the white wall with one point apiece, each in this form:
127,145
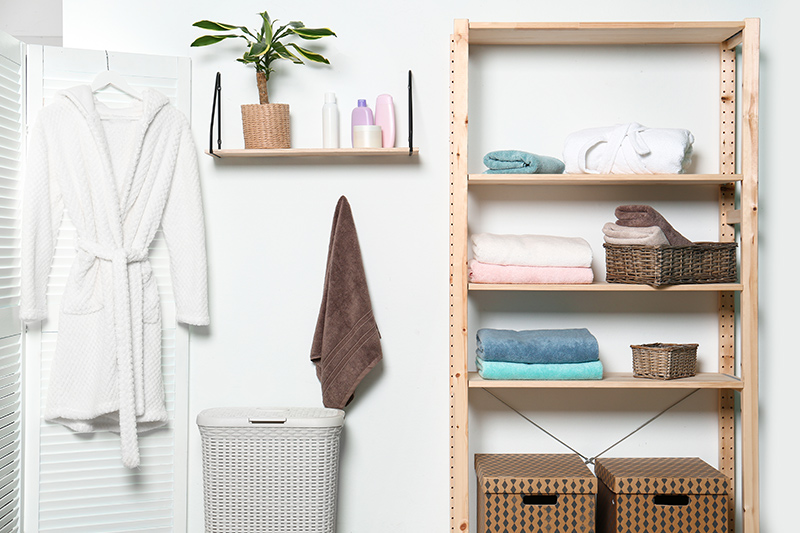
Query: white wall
32,21
269,220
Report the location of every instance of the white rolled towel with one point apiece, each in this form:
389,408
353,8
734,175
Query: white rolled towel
628,149
531,250
649,235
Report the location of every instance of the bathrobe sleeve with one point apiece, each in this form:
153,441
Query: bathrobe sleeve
184,231
42,209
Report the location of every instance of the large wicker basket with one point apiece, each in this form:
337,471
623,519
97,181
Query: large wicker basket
701,262
266,126
270,470
664,361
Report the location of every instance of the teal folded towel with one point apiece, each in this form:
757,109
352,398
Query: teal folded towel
519,162
537,345
543,372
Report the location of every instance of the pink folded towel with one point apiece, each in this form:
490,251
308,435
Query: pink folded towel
489,273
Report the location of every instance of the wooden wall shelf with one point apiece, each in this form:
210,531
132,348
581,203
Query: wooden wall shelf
314,152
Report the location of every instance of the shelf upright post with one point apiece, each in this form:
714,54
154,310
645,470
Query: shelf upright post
728,216
749,296
459,406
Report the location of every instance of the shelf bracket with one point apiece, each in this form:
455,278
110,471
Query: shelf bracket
216,107
732,216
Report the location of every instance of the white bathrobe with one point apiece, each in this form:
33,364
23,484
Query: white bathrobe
120,174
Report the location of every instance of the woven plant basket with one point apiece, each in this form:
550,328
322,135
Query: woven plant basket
664,361
266,126
701,262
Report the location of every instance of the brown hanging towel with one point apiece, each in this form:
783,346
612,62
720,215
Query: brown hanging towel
346,342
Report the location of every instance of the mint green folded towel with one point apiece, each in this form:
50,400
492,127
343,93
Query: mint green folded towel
519,162
541,371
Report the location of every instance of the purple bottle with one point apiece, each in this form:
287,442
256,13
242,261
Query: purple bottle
362,116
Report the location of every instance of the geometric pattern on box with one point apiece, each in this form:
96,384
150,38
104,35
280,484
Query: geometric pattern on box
535,492
661,475
661,495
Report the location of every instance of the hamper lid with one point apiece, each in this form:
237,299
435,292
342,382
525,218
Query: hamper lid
270,416
661,475
533,473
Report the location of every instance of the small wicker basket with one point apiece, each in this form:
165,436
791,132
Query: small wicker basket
266,126
701,262
664,361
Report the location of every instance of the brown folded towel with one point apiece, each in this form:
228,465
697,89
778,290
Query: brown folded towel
346,342
643,216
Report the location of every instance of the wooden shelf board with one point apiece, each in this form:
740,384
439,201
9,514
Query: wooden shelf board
313,152
614,380
602,33
607,287
602,179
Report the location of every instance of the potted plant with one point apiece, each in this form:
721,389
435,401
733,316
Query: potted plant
266,125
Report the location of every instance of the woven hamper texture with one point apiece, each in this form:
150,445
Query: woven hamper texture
270,479
701,262
266,126
664,361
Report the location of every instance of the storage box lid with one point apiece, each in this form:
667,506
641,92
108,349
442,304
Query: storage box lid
514,473
661,475
270,416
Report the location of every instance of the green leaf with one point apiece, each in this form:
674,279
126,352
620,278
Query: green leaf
283,53
206,40
214,26
308,54
258,49
312,33
266,28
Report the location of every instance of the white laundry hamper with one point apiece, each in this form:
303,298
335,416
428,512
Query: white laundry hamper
270,469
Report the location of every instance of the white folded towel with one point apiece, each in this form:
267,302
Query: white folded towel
628,149
531,250
650,235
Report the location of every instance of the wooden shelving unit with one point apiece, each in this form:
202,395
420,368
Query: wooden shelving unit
726,36
314,152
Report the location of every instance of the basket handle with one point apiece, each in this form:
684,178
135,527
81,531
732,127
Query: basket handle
267,420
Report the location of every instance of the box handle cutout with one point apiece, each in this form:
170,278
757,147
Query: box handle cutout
277,420
540,499
671,499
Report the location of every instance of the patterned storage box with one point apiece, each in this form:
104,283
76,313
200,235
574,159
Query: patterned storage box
535,492
659,495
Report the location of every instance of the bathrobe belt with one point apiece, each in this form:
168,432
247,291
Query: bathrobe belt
128,308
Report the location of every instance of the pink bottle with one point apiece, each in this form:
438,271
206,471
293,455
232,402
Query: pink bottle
384,117
362,116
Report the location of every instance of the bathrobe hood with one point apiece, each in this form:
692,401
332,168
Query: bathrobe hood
121,174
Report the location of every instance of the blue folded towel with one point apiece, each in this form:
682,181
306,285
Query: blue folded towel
554,372
537,346
519,162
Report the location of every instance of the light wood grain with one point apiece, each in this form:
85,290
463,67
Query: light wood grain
728,217
602,179
602,33
312,152
749,295
459,401
614,380
606,287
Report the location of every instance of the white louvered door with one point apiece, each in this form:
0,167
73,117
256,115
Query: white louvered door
81,485
11,133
